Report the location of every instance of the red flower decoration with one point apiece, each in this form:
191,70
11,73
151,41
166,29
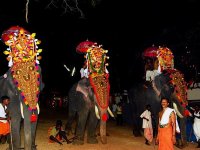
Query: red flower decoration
105,117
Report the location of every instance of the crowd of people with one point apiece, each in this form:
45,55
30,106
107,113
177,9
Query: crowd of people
168,129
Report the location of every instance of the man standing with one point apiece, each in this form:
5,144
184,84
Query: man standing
196,125
147,125
167,127
4,124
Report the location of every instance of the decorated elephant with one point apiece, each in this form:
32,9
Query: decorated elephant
91,94
163,81
22,83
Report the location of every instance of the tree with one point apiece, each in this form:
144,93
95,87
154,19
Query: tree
66,5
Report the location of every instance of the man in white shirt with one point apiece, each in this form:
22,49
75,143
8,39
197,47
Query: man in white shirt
84,71
4,124
147,125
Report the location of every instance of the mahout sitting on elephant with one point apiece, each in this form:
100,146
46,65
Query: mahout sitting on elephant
89,97
22,83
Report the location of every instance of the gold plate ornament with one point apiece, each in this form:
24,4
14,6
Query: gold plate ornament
26,78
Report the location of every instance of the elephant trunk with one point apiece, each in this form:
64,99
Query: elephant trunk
103,125
103,132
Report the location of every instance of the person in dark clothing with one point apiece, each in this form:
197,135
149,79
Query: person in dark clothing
119,114
56,133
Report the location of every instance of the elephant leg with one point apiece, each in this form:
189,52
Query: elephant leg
91,128
15,138
82,118
29,130
183,132
33,131
70,119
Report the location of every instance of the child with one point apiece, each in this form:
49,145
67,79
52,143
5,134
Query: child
56,133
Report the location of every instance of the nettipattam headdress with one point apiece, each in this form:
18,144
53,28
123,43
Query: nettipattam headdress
23,59
22,45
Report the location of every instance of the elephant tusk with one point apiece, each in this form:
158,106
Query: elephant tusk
38,108
177,111
97,112
110,112
21,108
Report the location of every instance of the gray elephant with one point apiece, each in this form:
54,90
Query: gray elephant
139,96
82,105
22,83
162,81
171,85
18,111
91,94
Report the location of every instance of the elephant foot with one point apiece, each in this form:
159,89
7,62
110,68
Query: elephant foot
3,139
34,147
78,141
92,140
103,140
180,144
70,131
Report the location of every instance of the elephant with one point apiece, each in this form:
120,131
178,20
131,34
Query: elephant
165,85
140,95
91,93
82,104
22,83
162,81
16,112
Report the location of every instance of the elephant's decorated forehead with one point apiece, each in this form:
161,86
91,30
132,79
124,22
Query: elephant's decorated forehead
165,58
26,78
22,45
101,86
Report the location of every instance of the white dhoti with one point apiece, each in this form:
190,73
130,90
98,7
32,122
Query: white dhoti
196,128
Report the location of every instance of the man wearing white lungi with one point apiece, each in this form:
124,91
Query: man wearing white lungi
196,125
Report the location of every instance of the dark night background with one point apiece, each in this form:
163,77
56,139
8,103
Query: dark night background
125,28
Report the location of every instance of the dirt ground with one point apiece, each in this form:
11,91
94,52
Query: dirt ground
119,138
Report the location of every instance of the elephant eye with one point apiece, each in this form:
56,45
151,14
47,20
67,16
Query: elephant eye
31,68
